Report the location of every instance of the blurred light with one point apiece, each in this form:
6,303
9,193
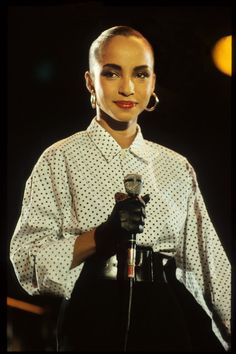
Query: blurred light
22,305
44,71
222,55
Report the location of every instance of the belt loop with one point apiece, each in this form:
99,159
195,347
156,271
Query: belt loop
144,270
158,268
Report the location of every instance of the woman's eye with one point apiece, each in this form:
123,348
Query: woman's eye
143,75
110,74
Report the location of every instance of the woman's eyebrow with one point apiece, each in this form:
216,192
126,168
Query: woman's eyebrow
112,66
118,67
141,67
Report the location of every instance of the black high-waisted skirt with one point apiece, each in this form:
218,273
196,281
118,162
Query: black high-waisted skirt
95,317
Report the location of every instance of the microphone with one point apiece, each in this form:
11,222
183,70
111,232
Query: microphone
133,186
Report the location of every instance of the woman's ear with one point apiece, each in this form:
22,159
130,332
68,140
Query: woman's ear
154,81
89,81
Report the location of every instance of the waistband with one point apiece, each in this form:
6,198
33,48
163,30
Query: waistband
148,266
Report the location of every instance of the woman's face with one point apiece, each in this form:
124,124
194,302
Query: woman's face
123,78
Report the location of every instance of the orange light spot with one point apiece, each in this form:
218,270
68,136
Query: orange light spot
222,55
22,305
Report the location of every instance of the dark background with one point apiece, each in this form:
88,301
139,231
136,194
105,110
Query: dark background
47,99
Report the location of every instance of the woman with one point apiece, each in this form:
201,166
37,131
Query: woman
73,234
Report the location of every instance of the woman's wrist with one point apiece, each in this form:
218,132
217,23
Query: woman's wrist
84,247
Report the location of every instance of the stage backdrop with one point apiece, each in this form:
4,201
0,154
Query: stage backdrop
47,98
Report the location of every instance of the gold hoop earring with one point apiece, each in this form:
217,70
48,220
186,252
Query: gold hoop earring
155,104
93,99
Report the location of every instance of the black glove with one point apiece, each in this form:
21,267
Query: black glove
127,218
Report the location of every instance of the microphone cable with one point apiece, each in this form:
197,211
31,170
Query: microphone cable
131,259
130,289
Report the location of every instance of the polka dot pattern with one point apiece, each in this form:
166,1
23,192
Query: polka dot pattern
71,190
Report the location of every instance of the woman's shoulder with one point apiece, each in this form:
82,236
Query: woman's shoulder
63,149
66,144
169,160
165,153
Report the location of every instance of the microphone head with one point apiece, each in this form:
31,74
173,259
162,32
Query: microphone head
133,184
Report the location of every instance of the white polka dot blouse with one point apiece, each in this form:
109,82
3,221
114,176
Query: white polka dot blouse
71,190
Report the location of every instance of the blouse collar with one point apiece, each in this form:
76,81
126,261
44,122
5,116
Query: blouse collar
110,148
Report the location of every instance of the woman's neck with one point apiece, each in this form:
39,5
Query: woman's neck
123,132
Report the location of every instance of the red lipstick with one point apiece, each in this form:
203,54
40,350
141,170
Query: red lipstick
125,104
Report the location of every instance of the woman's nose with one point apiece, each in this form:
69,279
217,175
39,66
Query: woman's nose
126,87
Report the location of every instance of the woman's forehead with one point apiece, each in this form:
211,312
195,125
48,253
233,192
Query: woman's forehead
124,50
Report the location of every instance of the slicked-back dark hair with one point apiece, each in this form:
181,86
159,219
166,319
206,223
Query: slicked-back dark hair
99,43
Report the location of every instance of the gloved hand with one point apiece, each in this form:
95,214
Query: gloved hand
127,218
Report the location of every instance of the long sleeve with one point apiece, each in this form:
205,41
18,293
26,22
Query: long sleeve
41,248
202,264
71,190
